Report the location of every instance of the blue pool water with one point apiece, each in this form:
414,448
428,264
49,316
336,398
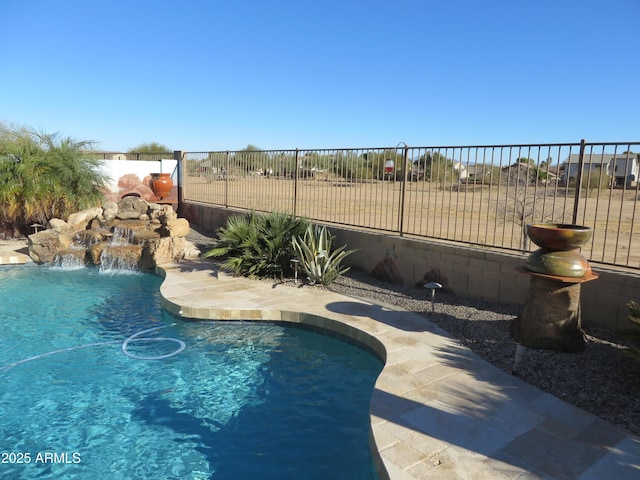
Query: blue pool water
241,401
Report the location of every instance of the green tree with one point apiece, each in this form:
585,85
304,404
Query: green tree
366,166
252,159
346,165
152,147
437,168
44,176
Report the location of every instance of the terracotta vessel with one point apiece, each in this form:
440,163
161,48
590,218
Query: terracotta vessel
162,184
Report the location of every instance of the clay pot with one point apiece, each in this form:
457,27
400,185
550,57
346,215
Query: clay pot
558,236
162,184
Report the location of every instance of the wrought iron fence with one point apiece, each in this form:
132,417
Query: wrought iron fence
477,195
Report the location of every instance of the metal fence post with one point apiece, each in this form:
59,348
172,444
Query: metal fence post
405,157
179,155
576,198
226,180
295,185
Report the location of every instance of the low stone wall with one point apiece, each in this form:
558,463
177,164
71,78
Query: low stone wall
471,272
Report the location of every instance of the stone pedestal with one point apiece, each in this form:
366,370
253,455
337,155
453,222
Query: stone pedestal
550,318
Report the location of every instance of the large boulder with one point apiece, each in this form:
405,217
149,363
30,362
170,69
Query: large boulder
178,227
131,185
44,245
60,226
86,238
95,252
80,220
128,181
109,211
163,250
130,208
434,275
121,257
387,271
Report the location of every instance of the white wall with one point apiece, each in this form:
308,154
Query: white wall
115,169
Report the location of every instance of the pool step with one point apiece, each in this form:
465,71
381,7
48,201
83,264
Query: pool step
13,259
10,254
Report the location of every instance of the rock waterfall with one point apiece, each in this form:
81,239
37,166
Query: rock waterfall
132,234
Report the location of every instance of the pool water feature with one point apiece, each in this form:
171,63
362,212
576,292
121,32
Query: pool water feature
98,381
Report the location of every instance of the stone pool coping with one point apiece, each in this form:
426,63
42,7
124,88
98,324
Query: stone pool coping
437,409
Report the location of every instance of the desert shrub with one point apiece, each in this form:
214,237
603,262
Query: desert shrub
258,245
44,176
592,181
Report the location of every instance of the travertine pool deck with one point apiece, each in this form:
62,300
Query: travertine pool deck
438,411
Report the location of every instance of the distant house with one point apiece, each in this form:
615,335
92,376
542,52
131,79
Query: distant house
517,173
478,172
461,169
592,162
527,173
622,168
549,174
417,171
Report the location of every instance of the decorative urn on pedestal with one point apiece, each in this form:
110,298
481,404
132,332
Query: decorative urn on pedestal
550,317
559,254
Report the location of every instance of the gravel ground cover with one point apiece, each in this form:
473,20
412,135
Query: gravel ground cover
603,380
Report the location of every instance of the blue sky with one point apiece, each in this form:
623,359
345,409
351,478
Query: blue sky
201,75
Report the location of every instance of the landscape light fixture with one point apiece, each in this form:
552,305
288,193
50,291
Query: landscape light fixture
295,262
433,286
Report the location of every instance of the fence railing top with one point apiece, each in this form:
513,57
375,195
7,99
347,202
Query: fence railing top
419,147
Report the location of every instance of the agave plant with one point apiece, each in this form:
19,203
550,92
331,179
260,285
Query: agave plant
318,262
258,245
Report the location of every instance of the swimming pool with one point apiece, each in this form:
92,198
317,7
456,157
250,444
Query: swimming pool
81,398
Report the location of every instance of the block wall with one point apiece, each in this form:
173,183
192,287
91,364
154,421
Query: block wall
471,272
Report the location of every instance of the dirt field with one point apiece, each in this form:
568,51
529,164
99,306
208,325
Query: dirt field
487,216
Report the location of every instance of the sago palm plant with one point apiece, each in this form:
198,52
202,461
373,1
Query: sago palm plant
320,264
